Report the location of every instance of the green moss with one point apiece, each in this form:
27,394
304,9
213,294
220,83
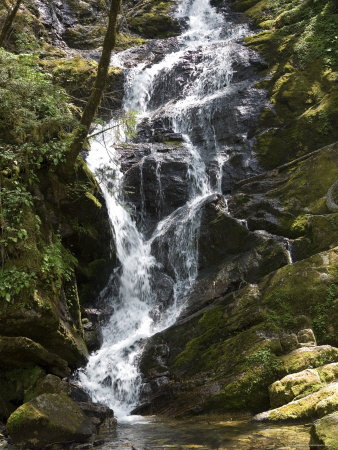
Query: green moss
152,20
302,51
304,288
202,352
125,40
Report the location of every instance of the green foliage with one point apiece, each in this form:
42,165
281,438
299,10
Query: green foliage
57,263
35,124
13,281
266,359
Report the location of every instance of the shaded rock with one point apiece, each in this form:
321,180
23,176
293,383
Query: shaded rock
22,351
100,415
324,432
289,342
47,419
50,384
318,404
77,393
305,357
92,336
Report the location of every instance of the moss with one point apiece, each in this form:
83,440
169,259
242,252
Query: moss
328,373
324,432
125,40
318,404
300,289
152,20
47,419
202,352
308,357
302,52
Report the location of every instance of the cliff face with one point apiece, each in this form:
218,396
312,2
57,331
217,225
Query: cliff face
249,308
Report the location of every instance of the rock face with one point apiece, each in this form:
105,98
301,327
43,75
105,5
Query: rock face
233,341
47,419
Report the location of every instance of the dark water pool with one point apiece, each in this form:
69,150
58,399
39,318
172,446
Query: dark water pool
206,433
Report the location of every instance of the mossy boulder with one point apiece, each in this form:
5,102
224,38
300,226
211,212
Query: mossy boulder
318,404
23,352
152,19
300,384
324,432
305,357
47,419
50,384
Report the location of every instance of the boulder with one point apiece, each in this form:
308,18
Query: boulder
293,385
50,384
48,419
318,404
305,357
289,342
100,415
306,337
324,432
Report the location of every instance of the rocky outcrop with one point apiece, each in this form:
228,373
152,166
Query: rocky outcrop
308,394
322,402
228,348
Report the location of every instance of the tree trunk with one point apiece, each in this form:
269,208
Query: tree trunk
8,23
94,101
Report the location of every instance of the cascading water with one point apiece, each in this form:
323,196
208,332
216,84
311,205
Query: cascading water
112,375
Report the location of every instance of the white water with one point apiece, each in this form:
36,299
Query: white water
112,375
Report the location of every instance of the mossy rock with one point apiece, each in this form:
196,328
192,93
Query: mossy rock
294,385
50,384
318,404
47,419
306,288
324,432
152,19
302,60
306,357
18,352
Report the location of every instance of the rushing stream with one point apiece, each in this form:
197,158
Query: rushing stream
189,108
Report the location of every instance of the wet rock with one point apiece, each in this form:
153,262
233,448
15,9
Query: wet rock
324,432
92,335
318,404
158,184
47,419
77,393
100,415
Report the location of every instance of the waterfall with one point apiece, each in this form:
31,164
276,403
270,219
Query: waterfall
112,376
